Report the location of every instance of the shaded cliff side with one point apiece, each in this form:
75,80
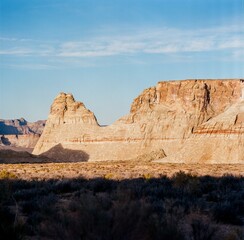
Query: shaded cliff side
20,133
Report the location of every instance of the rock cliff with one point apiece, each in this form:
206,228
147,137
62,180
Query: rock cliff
20,133
219,140
162,118
20,127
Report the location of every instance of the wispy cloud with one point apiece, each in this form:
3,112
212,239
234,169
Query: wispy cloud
16,51
151,41
32,66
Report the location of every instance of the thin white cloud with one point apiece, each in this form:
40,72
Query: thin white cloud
150,41
16,51
159,41
8,39
33,66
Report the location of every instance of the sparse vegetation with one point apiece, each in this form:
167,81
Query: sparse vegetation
7,175
183,206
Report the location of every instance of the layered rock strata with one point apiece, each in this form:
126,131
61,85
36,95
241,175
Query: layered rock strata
20,133
21,127
161,118
219,140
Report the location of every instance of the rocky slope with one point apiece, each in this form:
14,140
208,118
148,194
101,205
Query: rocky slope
20,133
162,118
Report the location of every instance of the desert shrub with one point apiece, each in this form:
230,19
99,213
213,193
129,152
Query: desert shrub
100,185
208,184
187,183
227,213
200,227
7,175
83,218
161,229
230,233
109,176
10,226
155,208
180,179
5,191
30,206
229,183
26,194
147,176
65,186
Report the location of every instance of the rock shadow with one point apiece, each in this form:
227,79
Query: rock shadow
60,154
6,129
5,141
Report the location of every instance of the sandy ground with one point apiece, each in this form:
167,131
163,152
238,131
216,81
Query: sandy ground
115,170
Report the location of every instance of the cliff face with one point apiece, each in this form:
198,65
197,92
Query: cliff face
20,133
219,140
181,106
19,141
161,118
20,127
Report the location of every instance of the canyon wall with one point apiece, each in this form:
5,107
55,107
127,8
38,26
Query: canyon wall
21,127
20,133
162,118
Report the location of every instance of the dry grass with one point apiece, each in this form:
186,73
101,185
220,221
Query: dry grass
115,170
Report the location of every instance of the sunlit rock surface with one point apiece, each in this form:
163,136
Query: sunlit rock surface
167,117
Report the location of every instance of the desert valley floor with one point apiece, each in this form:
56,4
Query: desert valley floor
115,170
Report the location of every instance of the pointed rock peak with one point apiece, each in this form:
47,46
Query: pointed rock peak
66,110
61,95
22,121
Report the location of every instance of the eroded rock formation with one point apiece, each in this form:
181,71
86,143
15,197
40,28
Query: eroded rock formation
20,133
21,127
219,140
164,118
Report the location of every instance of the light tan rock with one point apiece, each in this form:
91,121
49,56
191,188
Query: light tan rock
219,140
18,133
162,117
21,141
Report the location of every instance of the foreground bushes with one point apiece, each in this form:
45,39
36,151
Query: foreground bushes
181,207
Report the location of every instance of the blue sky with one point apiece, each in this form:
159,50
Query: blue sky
106,52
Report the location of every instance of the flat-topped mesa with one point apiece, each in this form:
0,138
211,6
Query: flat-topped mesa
65,110
162,117
181,106
199,94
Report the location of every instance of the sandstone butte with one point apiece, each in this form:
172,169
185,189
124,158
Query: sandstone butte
187,121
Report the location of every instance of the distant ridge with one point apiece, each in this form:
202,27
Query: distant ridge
19,133
21,126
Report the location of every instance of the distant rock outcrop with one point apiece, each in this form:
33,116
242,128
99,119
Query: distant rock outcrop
164,117
20,133
21,127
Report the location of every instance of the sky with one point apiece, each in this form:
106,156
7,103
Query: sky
105,52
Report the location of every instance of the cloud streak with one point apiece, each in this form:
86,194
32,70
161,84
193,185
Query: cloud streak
157,41
154,41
